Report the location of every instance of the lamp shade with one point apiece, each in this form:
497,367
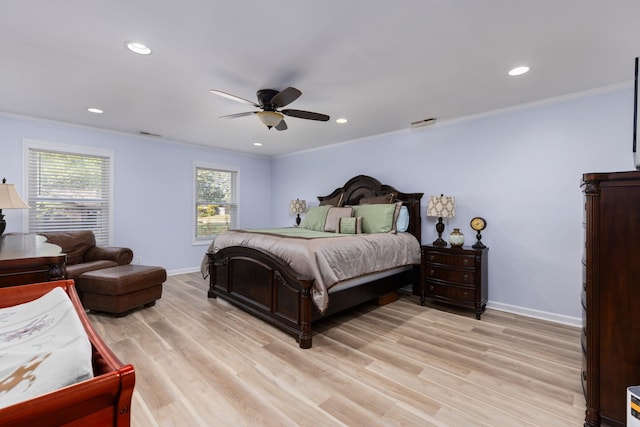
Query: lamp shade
270,118
297,206
441,206
9,198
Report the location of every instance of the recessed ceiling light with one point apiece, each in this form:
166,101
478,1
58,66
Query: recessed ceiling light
341,120
258,144
138,48
518,71
95,110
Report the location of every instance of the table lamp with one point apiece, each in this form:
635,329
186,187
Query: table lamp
9,199
441,207
296,207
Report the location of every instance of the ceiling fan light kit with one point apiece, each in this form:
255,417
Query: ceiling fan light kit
270,118
269,101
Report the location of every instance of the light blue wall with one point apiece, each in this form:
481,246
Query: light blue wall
153,186
520,170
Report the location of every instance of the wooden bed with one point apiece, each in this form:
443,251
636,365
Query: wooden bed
268,288
104,400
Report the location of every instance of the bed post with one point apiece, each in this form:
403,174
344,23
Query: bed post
213,273
304,338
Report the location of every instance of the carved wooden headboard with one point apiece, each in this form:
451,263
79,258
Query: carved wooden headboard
365,186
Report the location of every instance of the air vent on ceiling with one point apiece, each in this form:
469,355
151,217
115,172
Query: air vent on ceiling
424,122
141,132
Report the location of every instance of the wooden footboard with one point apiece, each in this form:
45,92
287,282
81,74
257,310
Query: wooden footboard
104,400
266,287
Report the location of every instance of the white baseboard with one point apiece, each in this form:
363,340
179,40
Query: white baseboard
529,312
183,271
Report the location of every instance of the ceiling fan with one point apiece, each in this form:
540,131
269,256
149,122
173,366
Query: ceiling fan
269,102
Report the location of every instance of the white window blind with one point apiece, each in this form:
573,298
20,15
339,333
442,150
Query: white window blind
216,207
68,192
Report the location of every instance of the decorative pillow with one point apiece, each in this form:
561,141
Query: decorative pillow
387,198
333,215
402,223
44,347
334,201
315,218
396,214
349,225
376,218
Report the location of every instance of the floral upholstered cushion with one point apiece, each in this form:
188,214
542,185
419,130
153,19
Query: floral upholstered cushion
43,347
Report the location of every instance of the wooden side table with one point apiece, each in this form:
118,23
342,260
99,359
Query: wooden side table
456,276
27,258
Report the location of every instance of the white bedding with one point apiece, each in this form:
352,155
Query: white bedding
329,260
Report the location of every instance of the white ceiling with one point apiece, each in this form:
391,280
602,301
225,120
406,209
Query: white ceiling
382,65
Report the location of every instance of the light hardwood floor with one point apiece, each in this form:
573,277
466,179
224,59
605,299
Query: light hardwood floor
202,362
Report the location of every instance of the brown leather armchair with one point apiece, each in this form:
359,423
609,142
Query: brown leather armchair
82,253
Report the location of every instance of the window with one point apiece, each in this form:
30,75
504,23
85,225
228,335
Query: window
216,200
69,189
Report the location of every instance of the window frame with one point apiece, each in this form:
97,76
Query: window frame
194,207
29,145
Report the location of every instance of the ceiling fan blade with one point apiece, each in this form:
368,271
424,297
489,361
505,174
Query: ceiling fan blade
233,116
285,97
306,115
233,97
282,125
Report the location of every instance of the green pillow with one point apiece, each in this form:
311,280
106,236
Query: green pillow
315,218
376,218
349,225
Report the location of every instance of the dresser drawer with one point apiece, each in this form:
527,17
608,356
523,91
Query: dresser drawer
450,292
461,277
458,260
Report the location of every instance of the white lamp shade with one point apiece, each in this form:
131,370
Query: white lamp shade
297,206
9,198
270,118
442,206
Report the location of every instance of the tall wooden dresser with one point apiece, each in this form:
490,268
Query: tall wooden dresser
611,294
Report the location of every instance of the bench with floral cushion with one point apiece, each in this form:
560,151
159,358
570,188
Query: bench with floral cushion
56,369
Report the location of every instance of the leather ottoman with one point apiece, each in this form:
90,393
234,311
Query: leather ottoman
118,290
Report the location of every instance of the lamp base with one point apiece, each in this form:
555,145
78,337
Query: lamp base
439,242
298,220
3,225
439,228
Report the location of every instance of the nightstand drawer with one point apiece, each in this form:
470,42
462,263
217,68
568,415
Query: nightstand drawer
450,292
461,277
458,260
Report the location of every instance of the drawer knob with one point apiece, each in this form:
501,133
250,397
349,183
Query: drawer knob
432,272
465,278
465,294
465,261
431,288
431,257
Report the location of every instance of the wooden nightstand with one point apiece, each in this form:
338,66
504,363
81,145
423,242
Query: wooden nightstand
455,276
